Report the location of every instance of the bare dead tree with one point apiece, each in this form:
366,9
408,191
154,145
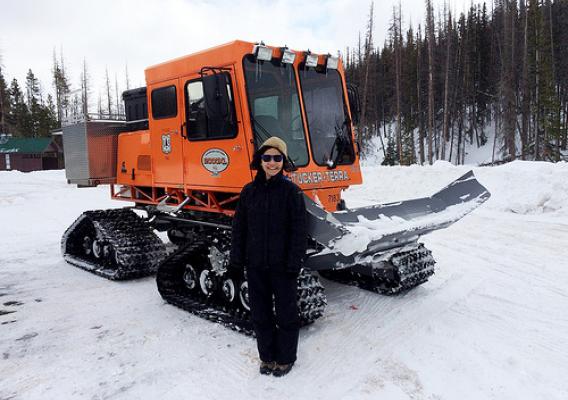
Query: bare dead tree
366,60
85,89
117,97
108,93
127,78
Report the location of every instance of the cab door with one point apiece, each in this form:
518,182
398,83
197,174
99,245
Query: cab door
166,109
216,154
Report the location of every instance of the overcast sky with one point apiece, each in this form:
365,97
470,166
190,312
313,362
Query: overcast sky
113,33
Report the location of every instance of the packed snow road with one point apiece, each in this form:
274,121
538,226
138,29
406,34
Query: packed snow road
490,324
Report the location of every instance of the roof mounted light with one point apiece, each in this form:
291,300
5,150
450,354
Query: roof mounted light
311,60
288,56
331,62
262,52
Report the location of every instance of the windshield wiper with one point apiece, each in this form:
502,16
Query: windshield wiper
340,144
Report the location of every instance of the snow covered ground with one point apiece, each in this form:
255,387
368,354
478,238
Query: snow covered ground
491,324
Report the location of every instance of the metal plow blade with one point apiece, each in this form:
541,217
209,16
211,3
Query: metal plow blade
353,236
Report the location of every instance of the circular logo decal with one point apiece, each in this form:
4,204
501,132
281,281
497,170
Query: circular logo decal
215,161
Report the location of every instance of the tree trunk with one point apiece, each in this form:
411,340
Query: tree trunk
368,47
447,87
419,97
525,102
398,71
430,28
85,90
109,96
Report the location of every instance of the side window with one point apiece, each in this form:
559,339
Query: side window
199,124
196,114
164,103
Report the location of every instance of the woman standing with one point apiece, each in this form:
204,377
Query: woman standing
270,239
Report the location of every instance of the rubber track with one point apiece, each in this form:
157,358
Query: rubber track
137,251
311,298
403,271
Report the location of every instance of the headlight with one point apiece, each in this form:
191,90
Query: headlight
288,56
262,53
332,62
311,60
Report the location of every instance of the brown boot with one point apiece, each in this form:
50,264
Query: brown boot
266,368
282,369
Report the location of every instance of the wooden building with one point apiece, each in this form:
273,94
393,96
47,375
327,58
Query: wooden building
29,154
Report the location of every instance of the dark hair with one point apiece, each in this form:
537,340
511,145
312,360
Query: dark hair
255,163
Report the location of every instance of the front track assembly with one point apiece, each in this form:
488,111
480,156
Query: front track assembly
194,279
389,273
116,244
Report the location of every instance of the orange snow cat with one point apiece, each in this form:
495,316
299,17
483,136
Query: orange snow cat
183,155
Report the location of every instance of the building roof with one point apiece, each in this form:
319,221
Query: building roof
25,145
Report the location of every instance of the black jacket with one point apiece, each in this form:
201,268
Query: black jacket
270,225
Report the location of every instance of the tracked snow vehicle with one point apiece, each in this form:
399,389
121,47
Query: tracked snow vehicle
182,157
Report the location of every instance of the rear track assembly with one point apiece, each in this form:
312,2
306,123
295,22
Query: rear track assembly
116,244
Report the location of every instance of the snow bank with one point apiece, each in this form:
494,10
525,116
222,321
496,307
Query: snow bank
525,187
520,187
491,323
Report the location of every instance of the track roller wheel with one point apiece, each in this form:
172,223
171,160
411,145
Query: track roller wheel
228,290
98,249
190,277
207,282
244,295
87,245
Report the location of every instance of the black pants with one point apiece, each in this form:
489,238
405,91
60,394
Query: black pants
276,323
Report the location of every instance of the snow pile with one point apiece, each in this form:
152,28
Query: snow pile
524,187
520,187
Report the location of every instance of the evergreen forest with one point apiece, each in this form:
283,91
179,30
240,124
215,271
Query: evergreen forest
433,90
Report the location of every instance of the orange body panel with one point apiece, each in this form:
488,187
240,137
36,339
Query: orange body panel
134,155
217,165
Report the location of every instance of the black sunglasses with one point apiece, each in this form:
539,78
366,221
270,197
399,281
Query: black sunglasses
268,157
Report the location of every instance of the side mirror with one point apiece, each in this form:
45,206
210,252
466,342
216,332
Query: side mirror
354,102
216,95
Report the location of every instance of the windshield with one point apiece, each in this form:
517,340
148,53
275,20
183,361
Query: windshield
329,127
275,106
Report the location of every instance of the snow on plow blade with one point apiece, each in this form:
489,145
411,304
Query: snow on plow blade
360,235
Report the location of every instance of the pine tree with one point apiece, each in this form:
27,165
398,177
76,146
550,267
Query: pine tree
20,114
33,102
391,156
5,108
47,118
